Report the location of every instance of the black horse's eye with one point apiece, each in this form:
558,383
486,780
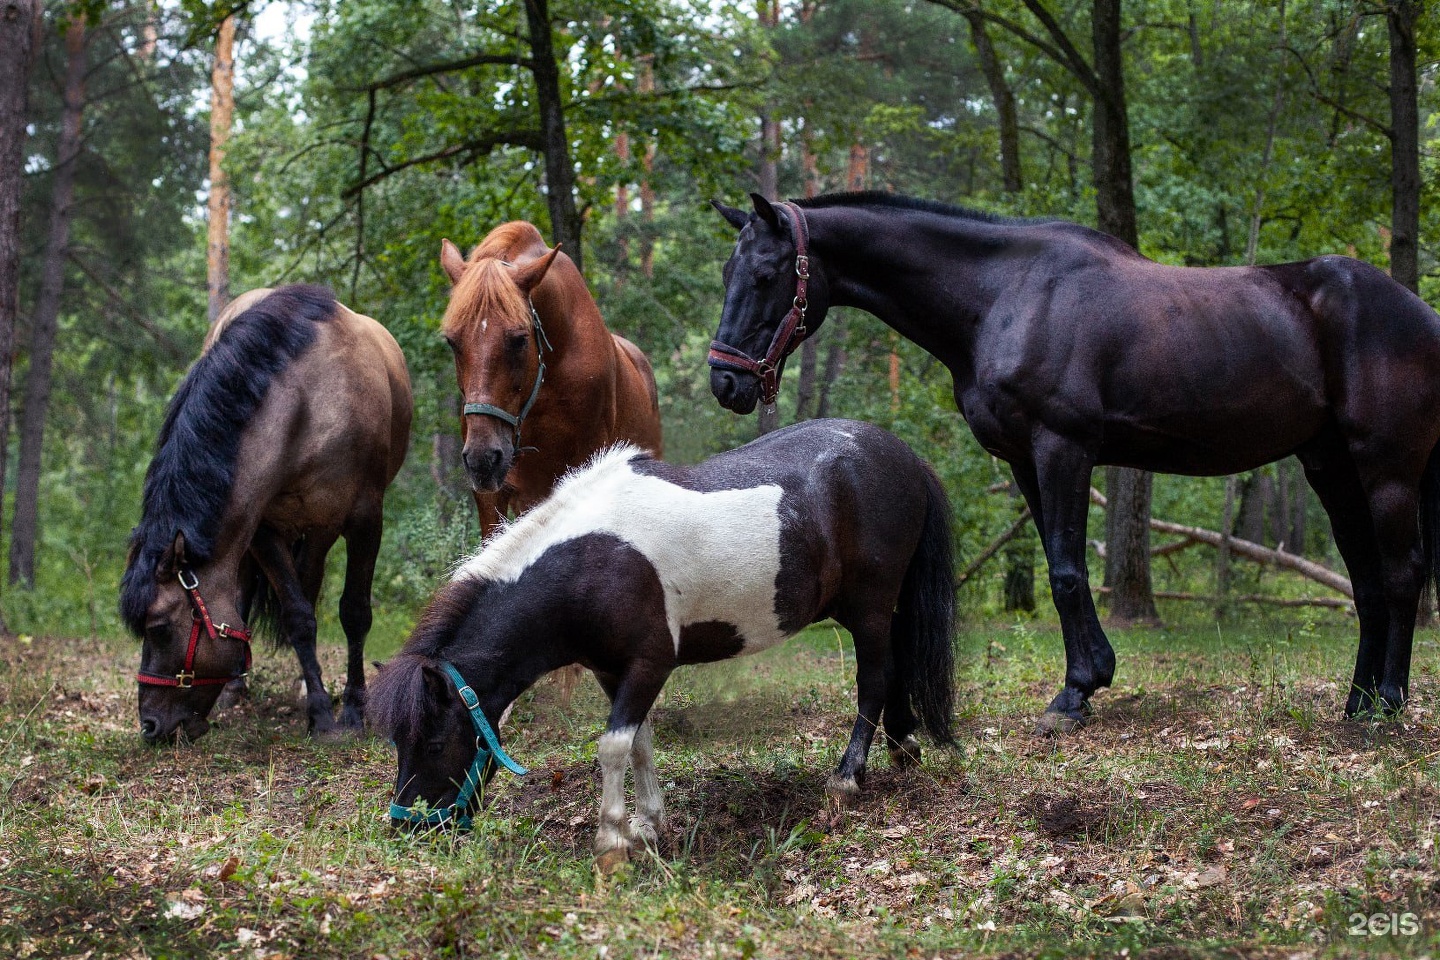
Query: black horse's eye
762,277
435,747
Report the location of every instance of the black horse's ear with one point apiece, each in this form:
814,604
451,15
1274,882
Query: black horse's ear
437,688
172,559
736,218
765,211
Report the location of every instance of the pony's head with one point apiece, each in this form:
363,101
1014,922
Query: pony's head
492,329
760,287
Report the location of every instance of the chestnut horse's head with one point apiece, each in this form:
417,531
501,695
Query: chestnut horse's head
499,346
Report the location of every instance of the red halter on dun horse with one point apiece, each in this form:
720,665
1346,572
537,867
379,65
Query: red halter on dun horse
545,384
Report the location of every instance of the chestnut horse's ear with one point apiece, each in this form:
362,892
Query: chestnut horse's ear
452,260
765,211
529,275
736,218
172,559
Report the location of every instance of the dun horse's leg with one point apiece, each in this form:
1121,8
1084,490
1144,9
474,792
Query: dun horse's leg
1061,483
1337,484
297,618
362,546
873,677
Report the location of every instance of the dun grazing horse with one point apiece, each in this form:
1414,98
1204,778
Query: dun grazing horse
282,438
1069,349
634,567
540,374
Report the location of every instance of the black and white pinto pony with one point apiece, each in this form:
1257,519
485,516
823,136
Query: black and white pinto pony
634,566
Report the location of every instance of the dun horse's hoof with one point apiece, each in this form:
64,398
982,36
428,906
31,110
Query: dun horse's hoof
1053,723
612,859
906,753
842,791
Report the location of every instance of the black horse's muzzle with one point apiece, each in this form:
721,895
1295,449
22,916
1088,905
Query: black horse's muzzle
736,390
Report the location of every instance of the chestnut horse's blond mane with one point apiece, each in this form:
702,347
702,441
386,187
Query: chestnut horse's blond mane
487,288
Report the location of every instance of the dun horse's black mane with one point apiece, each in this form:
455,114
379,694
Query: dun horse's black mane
878,198
399,699
189,480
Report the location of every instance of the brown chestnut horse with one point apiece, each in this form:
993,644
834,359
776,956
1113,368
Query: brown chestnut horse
1069,349
282,438
545,384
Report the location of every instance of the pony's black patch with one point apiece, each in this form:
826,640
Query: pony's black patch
189,480
878,198
709,641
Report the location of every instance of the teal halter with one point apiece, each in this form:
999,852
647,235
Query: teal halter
487,751
542,343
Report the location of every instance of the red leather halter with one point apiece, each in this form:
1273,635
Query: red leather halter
791,332
186,678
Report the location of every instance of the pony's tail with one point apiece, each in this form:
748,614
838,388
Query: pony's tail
1430,519
923,628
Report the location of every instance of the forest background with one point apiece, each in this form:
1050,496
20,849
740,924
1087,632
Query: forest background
164,143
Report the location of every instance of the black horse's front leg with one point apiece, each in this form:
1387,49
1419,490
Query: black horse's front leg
1057,488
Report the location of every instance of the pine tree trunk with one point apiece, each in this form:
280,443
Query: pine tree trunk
1020,562
20,24
24,528
565,222
1004,97
222,115
1127,546
1402,16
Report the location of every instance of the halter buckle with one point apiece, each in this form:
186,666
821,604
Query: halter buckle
802,267
194,583
183,679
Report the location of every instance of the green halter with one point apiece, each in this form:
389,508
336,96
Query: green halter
487,751
515,420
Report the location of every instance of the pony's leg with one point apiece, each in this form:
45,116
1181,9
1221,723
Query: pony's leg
648,824
631,697
362,546
1061,484
873,678
1335,481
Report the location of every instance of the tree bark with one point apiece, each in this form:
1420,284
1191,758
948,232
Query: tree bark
1020,561
834,363
565,221
222,115
768,179
1127,542
1402,17
1004,98
20,22
25,525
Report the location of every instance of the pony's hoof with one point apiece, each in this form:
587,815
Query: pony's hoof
612,859
842,791
1053,723
906,753
642,832
231,695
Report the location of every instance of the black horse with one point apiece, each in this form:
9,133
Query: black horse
1069,349
633,567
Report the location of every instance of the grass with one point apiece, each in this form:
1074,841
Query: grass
1216,804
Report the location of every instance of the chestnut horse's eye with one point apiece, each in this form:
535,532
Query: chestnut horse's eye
517,341
449,341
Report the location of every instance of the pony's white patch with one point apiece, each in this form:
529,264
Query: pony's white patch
717,554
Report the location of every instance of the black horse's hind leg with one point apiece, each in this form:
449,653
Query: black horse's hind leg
362,546
874,677
900,720
1333,477
1057,488
1394,509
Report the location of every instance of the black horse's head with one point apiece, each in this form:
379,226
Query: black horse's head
760,288
419,708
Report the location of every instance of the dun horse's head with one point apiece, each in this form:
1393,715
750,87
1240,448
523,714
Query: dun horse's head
761,288
193,643
492,330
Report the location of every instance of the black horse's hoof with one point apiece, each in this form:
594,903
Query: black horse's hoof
906,753
1054,722
1368,706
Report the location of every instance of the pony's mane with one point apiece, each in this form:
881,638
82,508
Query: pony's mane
188,483
513,547
895,201
397,703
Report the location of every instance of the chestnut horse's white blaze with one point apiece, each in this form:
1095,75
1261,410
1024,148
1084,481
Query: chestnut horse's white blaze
685,534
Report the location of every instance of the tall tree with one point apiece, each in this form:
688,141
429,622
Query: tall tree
565,220
25,526
222,114
1402,18
1004,98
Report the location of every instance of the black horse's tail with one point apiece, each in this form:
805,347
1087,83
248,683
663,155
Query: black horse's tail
1430,518
923,628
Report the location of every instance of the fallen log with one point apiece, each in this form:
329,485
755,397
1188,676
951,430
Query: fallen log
993,548
1251,551
1334,603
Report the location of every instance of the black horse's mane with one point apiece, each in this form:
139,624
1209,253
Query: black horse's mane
189,480
397,703
895,201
